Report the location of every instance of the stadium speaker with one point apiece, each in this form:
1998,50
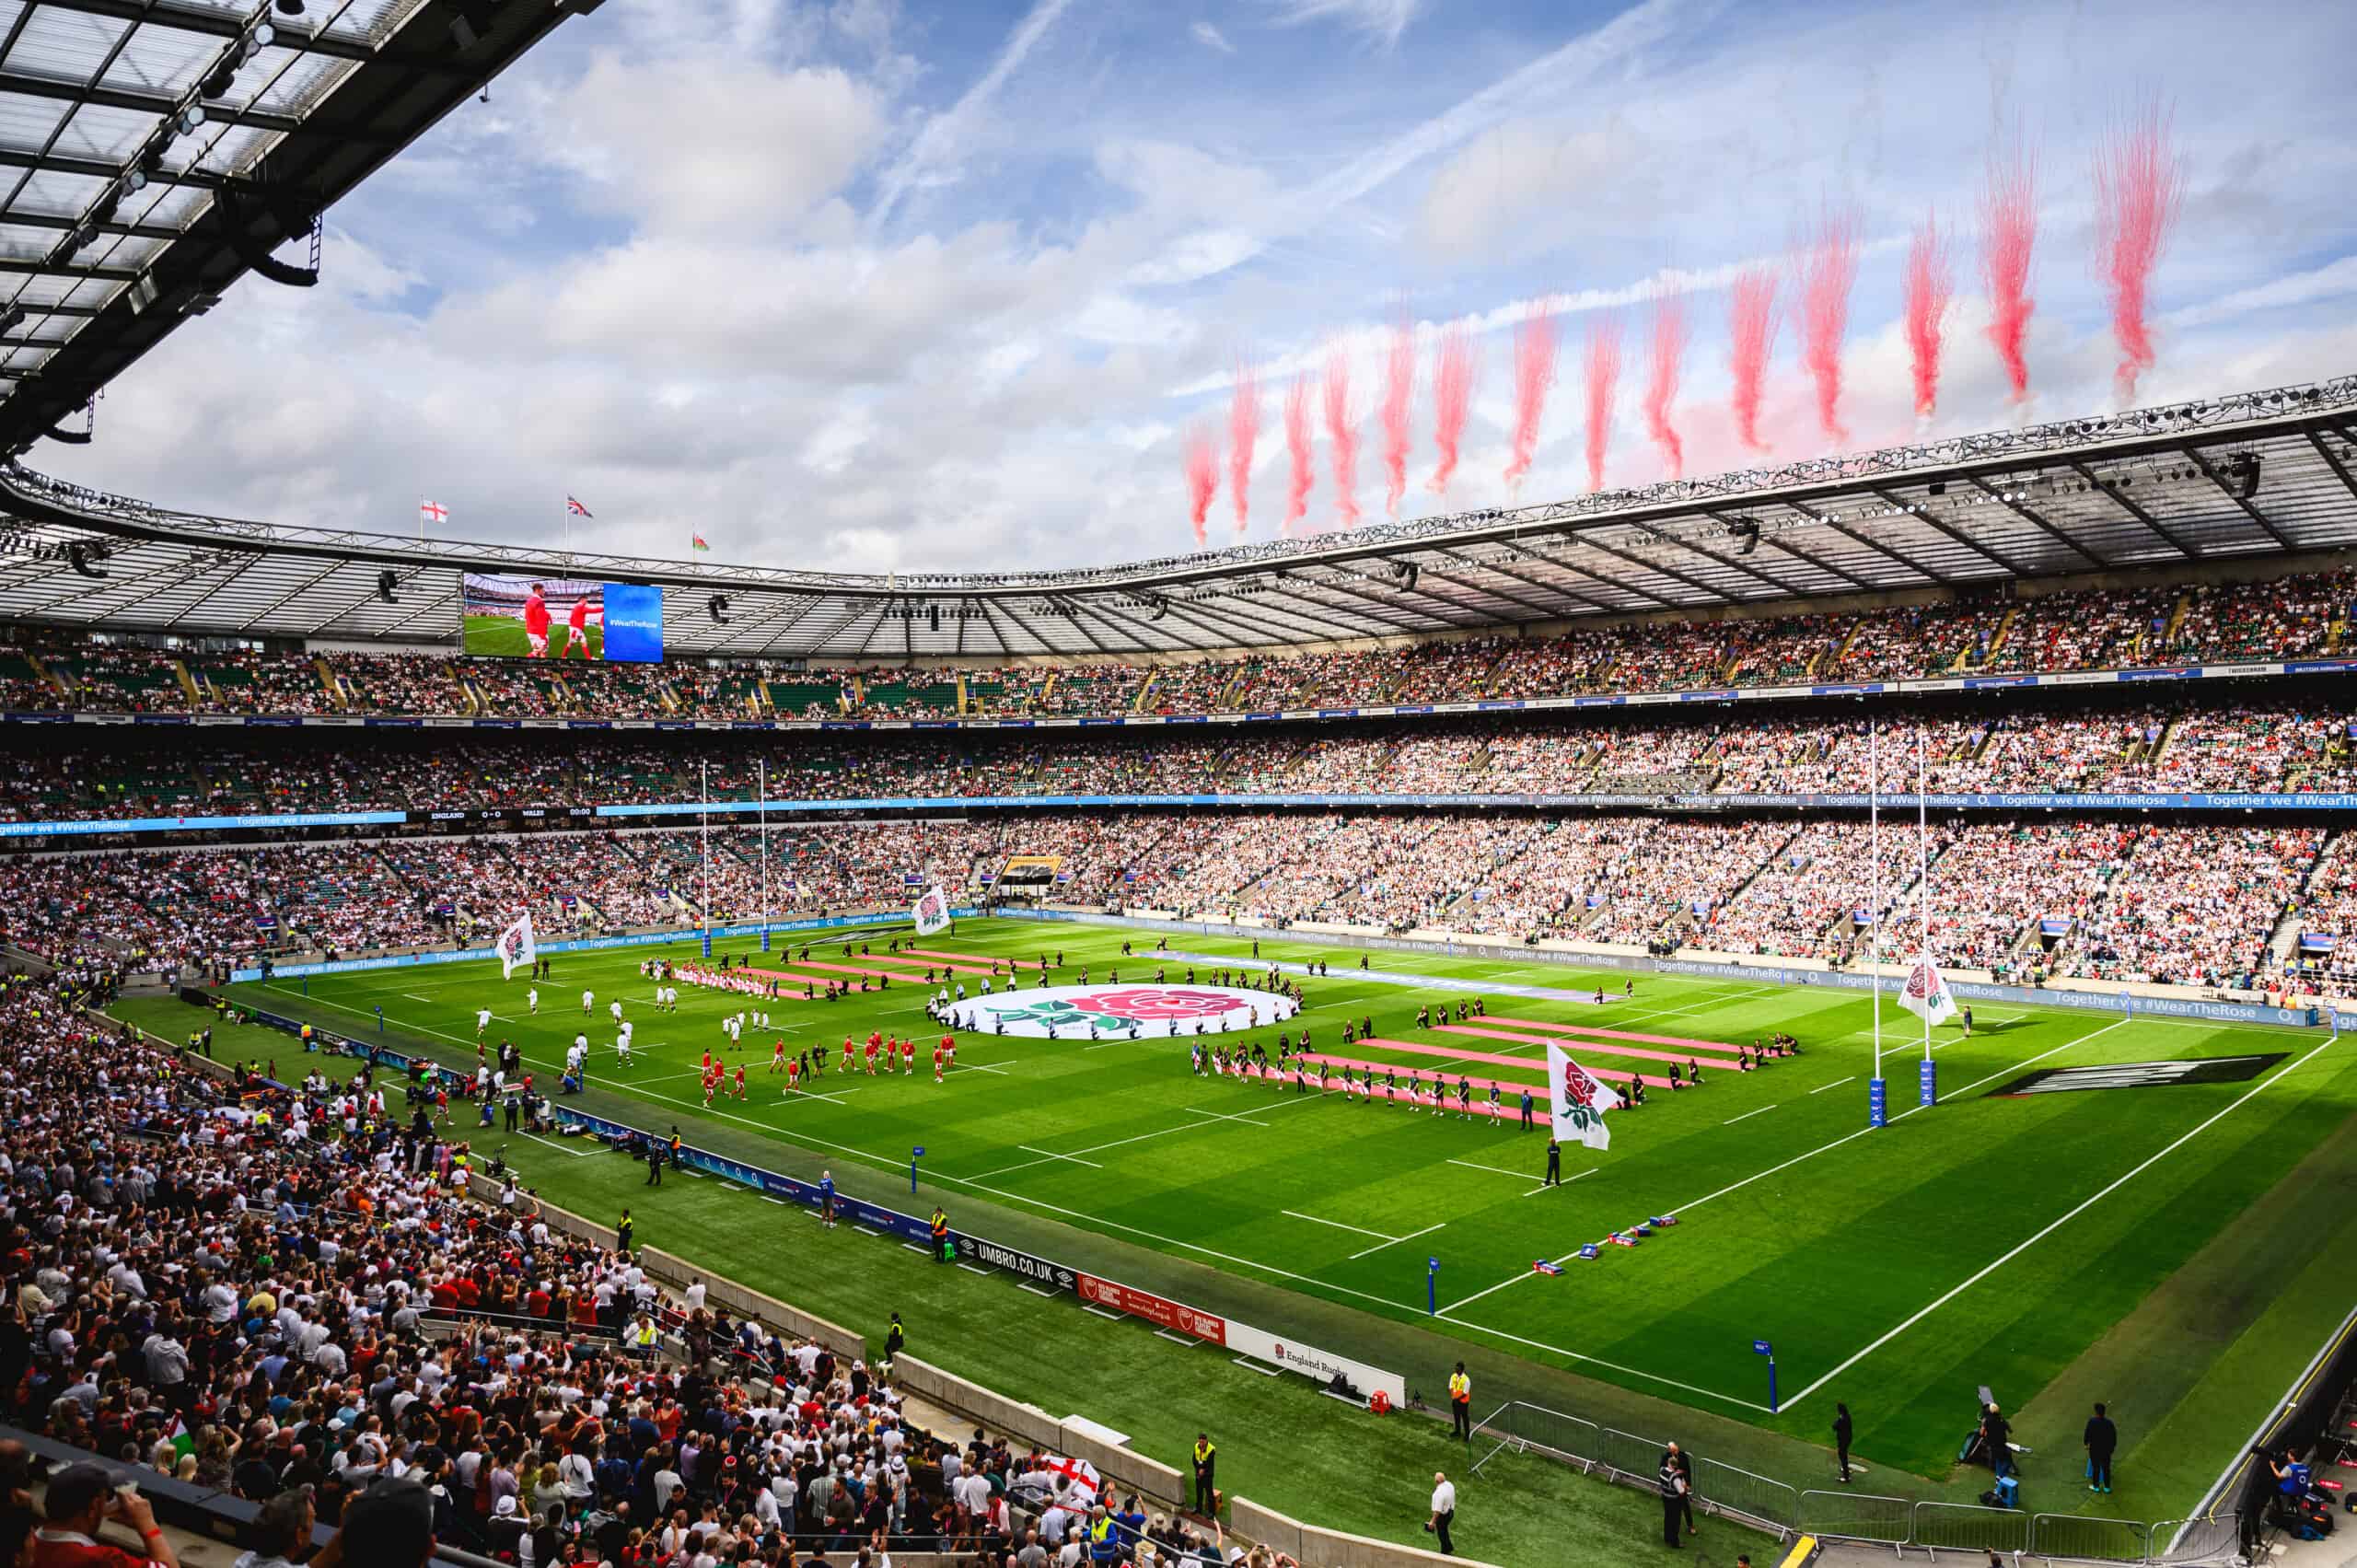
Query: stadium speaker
290,7
933,616
1746,533
2239,474
1161,608
717,608
85,558
386,581
1409,572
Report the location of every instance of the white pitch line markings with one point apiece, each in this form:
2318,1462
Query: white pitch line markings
1394,1241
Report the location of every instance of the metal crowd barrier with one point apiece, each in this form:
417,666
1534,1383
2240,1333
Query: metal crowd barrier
1864,1517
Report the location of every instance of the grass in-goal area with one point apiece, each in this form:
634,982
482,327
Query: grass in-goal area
502,636
1990,1239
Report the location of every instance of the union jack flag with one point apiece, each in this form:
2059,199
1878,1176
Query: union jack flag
576,508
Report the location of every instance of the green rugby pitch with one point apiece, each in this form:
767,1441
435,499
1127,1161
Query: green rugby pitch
2023,1242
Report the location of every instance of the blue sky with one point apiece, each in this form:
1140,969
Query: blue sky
879,285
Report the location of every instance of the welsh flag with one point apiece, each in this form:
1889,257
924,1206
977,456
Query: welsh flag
698,542
1927,994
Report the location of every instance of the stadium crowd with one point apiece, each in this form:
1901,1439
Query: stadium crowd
2294,617
283,1291
2261,745
2190,904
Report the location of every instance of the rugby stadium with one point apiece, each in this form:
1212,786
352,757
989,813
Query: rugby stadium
1791,1010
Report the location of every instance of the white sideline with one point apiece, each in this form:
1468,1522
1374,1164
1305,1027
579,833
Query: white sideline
2052,1226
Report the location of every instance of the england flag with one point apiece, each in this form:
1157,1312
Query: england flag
931,913
1578,1102
516,947
1927,994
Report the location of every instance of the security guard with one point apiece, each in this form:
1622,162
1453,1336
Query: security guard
895,1338
940,1235
1104,1542
1206,1456
1460,1404
642,1337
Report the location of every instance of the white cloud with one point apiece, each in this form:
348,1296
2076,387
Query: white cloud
2329,282
941,145
1383,20
1210,37
706,146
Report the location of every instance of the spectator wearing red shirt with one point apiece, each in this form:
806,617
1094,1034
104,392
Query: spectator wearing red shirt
80,1500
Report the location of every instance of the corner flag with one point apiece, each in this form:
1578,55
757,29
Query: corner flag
1578,1101
1926,994
931,913
516,945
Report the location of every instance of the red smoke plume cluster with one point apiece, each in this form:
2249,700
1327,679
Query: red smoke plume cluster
1661,382
1297,448
2008,240
1343,437
1751,332
2139,187
1828,269
1243,430
1603,371
1454,371
1534,374
1399,398
1931,284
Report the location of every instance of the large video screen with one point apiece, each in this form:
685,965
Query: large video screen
509,615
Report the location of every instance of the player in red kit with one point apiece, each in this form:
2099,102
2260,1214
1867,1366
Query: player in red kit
940,1058
847,1052
536,623
777,1056
740,1080
909,1054
875,1043
577,628
711,1082
793,1074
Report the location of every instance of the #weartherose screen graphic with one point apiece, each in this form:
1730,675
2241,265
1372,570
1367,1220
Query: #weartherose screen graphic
508,615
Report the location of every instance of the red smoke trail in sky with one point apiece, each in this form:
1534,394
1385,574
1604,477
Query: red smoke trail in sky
1661,385
1243,430
1297,446
1603,372
1399,401
2008,239
1751,333
1453,372
2140,186
1931,284
1343,435
1828,269
1534,374
1202,479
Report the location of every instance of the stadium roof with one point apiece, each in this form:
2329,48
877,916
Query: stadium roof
153,151
2244,478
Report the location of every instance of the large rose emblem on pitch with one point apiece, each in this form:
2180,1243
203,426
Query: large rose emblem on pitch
1156,1002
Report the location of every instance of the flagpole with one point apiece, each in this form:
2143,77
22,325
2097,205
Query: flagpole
1877,1090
